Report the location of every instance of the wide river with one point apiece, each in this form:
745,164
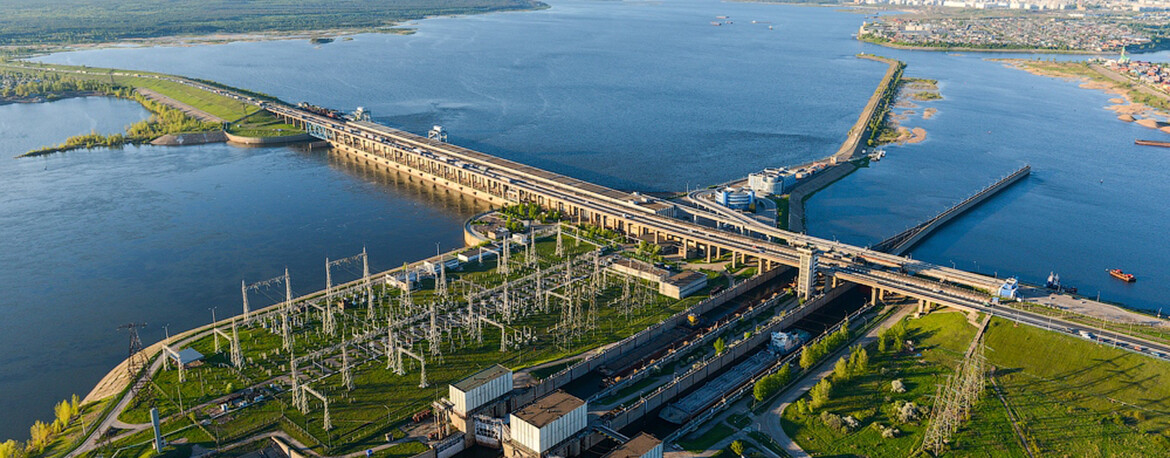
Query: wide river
636,95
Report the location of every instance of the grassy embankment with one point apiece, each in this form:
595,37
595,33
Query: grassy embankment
361,416
1141,331
1068,397
50,82
1073,397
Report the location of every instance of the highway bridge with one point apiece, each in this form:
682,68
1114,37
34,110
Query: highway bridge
500,181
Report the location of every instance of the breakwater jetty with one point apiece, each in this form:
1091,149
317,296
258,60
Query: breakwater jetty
903,241
860,135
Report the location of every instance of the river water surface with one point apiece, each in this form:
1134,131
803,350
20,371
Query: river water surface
636,95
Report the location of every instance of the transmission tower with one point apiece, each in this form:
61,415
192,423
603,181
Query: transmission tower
369,284
346,377
237,356
433,332
560,242
136,361
441,286
507,250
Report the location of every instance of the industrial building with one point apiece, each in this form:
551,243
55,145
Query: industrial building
479,389
682,284
639,269
736,199
545,423
677,286
641,446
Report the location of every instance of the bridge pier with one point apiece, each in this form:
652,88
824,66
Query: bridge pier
806,277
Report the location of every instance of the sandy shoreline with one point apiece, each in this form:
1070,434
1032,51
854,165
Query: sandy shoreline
1127,110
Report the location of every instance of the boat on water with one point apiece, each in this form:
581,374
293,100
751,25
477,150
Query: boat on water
1118,274
1152,143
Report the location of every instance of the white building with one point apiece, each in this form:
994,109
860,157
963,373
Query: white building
771,181
480,388
641,446
1010,288
548,421
737,199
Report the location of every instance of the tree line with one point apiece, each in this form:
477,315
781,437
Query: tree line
41,434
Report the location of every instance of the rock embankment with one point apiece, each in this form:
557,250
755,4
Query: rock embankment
200,138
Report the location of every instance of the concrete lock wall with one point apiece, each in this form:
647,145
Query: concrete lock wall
264,141
631,343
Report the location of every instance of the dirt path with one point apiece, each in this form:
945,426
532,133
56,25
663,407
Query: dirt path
190,110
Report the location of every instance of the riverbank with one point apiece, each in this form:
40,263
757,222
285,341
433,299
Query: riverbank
889,44
93,23
1134,101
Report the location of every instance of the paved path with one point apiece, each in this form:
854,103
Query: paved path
769,422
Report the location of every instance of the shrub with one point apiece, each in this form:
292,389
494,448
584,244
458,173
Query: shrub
889,432
908,412
833,421
897,386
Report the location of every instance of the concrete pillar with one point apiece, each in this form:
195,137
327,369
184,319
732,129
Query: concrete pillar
922,307
708,250
760,265
873,295
807,275
834,281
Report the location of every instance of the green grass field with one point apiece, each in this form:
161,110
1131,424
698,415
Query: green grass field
260,124
1073,397
940,339
263,124
224,107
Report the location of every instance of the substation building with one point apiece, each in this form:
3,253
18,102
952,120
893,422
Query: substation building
641,446
479,395
544,427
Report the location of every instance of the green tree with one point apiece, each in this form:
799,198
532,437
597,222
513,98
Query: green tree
820,393
841,370
807,358
64,413
737,447
859,361
720,345
39,434
11,449
75,405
